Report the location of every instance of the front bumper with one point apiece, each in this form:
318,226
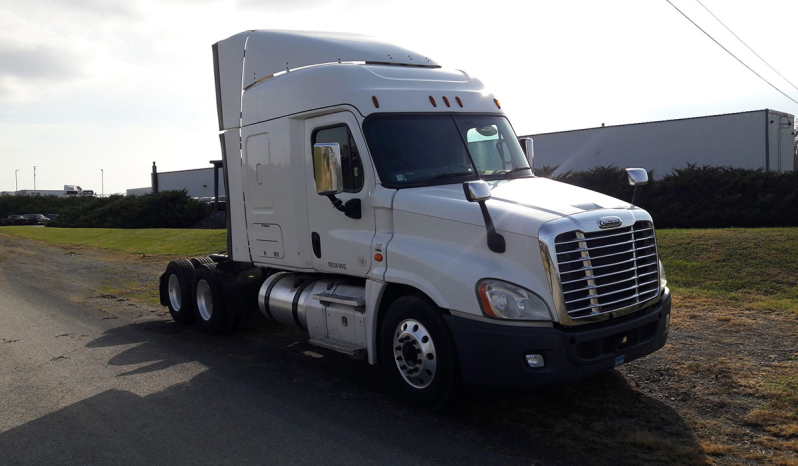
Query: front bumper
492,354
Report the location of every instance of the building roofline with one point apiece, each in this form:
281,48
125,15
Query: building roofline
660,121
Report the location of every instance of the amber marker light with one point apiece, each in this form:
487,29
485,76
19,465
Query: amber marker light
459,102
496,101
378,257
483,296
376,102
446,101
432,101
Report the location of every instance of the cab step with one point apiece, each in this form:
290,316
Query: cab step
349,349
340,299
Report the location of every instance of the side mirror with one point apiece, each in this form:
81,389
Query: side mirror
479,192
327,168
476,191
637,176
529,150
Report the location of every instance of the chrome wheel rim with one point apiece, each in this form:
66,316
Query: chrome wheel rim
414,353
204,300
175,297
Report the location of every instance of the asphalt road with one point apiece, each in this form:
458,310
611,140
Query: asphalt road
88,379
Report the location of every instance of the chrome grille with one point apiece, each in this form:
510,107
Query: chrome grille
607,270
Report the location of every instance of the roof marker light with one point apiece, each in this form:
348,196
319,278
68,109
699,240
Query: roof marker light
497,103
446,101
376,102
459,102
432,100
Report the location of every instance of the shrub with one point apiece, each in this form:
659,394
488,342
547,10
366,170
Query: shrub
167,209
702,196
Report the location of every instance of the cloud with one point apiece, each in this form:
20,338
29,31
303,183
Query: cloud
37,63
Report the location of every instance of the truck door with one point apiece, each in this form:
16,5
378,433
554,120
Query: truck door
340,244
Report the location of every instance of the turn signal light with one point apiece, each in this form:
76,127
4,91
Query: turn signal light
378,257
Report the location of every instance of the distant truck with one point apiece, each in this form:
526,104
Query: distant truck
71,190
385,206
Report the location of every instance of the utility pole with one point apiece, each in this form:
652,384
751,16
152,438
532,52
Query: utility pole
16,180
102,182
34,177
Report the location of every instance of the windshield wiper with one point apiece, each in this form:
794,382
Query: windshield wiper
443,176
504,172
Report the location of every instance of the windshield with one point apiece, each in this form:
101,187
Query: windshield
418,150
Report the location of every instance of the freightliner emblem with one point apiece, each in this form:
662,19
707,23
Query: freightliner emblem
610,222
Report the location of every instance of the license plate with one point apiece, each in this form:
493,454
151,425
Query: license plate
619,360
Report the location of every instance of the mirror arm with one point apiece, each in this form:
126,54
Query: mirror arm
496,241
351,208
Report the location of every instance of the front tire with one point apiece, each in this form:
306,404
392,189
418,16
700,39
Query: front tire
212,315
418,354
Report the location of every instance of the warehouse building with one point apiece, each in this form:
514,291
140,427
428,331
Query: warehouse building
757,139
198,182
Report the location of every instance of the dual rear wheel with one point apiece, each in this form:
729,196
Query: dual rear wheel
194,294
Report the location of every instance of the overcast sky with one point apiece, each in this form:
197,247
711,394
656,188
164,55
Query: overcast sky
115,85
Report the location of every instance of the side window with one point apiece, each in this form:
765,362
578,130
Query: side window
351,166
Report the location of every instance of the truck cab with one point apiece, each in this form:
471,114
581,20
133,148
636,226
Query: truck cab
392,214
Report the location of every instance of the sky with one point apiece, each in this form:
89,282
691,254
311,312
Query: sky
93,91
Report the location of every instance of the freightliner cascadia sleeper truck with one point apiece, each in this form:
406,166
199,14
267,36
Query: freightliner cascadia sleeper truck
384,205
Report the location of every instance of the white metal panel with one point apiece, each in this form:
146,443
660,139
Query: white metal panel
780,141
285,156
357,85
738,140
231,143
229,63
269,52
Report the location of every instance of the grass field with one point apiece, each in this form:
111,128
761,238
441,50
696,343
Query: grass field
166,242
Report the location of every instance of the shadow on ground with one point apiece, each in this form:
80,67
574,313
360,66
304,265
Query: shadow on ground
269,397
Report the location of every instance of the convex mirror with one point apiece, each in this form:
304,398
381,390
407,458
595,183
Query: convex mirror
637,176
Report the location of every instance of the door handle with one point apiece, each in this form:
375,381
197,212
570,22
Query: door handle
315,240
257,174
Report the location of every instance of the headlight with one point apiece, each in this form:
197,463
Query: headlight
662,280
504,300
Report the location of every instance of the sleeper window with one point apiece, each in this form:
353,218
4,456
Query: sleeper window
351,166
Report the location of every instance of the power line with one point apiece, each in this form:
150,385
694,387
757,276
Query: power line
743,42
733,55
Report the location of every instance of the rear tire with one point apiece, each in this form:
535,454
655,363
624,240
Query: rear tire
418,355
179,277
212,314
197,261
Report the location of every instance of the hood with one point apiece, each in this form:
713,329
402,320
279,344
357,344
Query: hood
518,206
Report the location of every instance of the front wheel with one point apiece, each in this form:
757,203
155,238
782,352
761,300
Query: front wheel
418,354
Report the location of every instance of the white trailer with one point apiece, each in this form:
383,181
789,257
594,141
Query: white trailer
383,204
40,192
760,139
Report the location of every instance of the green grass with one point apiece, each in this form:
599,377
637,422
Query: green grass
171,242
753,268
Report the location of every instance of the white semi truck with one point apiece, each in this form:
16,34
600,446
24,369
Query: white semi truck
383,204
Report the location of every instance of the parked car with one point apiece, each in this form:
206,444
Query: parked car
16,220
52,216
36,219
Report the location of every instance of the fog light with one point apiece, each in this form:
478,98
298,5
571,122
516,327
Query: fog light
535,360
